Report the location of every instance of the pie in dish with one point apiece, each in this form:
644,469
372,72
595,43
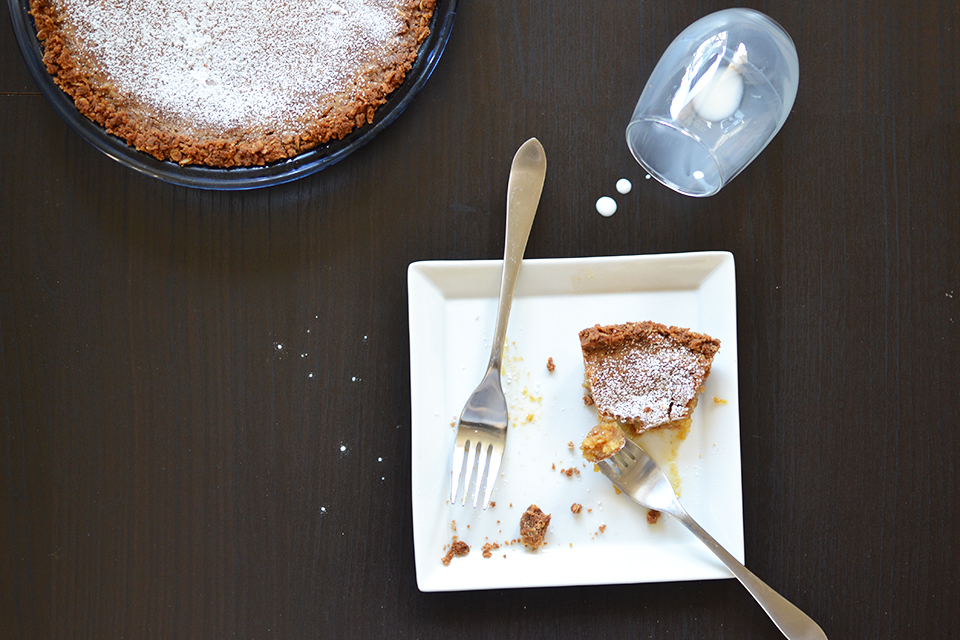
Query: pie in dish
228,83
641,376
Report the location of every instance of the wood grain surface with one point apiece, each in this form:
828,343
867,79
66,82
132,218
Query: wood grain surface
177,366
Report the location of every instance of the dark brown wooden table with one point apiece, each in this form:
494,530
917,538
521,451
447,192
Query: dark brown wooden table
164,464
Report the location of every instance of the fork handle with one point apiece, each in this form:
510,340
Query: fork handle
523,196
792,622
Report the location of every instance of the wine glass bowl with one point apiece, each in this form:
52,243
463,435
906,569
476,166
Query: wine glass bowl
719,94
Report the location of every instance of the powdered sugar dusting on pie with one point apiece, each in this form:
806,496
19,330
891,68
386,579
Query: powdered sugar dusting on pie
227,63
230,83
646,374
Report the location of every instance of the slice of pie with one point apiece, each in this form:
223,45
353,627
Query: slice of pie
641,376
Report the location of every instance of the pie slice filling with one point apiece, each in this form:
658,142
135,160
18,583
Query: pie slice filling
641,376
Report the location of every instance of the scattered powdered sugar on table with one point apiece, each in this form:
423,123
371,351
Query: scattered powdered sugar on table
227,63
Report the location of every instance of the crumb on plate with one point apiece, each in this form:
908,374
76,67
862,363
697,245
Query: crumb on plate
533,527
458,549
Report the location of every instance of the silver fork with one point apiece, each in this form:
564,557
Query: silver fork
482,428
638,476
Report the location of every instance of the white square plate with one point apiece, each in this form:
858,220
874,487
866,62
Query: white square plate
452,315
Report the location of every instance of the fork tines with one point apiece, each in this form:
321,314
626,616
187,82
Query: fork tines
483,456
626,456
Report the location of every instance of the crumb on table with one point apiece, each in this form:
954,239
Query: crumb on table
550,365
652,516
488,548
576,507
